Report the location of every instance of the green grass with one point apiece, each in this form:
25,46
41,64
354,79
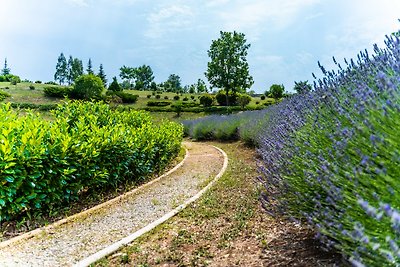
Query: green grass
21,93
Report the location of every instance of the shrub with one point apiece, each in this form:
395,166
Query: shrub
3,95
115,86
257,102
57,91
51,83
206,100
87,87
243,100
177,107
166,97
185,99
87,147
192,97
158,103
38,81
148,96
158,96
262,97
127,97
221,98
31,87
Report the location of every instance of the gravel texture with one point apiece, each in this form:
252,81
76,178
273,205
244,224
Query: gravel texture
68,243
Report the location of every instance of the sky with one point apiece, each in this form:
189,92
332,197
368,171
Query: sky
287,37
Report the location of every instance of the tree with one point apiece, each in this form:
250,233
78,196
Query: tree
61,69
143,76
89,69
228,68
102,75
87,87
127,74
6,70
76,69
276,91
69,70
243,100
302,87
201,87
173,84
114,86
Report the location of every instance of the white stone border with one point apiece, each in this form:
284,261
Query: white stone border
77,216
114,247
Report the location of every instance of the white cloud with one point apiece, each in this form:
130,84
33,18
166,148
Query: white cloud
83,3
255,16
169,19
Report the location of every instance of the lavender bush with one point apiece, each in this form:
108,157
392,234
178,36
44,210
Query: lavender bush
244,125
331,157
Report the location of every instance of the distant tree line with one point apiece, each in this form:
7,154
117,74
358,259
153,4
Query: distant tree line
68,71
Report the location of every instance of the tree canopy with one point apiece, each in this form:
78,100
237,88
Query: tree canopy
228,68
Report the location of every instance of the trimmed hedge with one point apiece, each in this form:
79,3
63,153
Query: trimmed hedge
158,103
57,91
88,147
3,95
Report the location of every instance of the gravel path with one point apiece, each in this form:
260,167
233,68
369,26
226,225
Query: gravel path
68,243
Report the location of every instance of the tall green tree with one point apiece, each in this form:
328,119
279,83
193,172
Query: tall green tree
89,68
127,74
69,70
61,70
173,84
76,69
6,70
102,75
228,68
201,87
143,76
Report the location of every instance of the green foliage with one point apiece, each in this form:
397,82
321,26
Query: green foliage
228,68
6,70
176,97
127,97
206,100
276,91
31,87
88,87
114,86
102,75
46,164
223,100
243,100
302,87
262,97
158,103
173,84
177,107
61,70
89,69
3,95
57,91
141,78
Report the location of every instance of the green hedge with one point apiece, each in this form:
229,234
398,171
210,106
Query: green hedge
158,103
88,146
57,91
3,95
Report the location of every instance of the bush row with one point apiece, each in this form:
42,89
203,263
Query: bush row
88,146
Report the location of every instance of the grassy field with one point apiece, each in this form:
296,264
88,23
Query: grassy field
226,227
21,93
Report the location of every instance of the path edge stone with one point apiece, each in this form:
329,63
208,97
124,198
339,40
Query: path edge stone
123,242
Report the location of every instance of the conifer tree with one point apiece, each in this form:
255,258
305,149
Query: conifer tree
102,75
61,69
6,70
89,69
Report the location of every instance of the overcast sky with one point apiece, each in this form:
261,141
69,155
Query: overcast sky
287,37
